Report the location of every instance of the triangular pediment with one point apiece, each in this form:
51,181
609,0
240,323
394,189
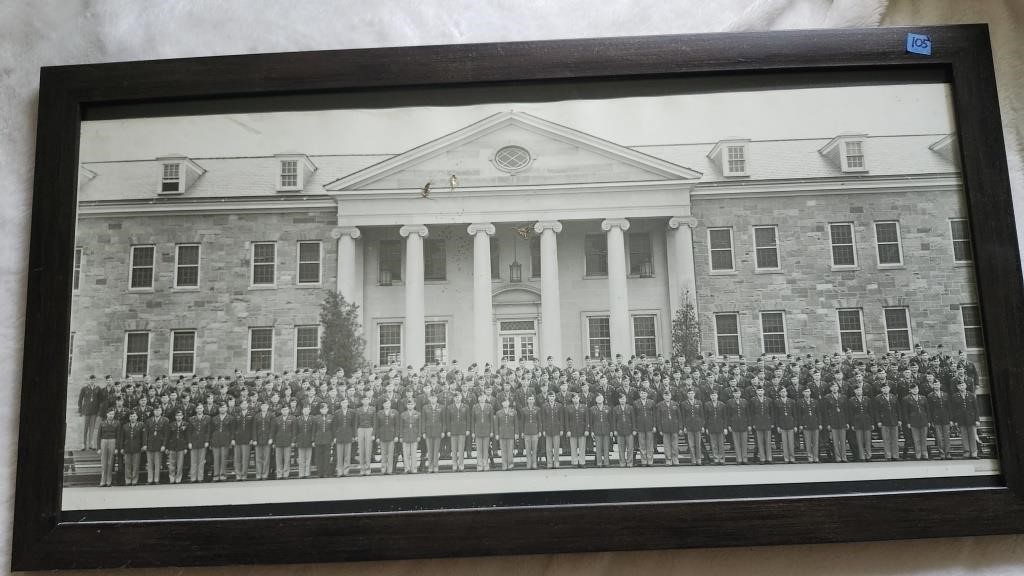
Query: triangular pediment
554,155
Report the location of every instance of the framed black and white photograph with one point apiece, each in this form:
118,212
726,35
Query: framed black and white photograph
684,291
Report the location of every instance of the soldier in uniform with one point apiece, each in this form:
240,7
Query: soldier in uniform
808,419
888,420
344,424
666,421
576,415
600,425
433,430
784,419
716,422
365,420
133,437
761,420
198,441
323,440
458,421
305,432
483,431
387,436
410,431
644,413
221,441
177,445
552,415
941,418
241,434
964,411
915,415
624,430
506,427
693,425
155,445
862,421
89,409
529,427
284,440
109,432
834,411
262,439
738,414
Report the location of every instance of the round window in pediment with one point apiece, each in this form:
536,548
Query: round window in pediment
512,158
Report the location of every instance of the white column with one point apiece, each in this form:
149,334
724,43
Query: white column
347,276
618,297
681,230
483,311
550,299
413,347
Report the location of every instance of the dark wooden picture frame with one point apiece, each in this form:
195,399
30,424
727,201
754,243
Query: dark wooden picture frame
47,538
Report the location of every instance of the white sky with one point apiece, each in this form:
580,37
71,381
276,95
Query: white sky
758,115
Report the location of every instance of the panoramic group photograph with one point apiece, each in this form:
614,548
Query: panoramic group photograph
745,288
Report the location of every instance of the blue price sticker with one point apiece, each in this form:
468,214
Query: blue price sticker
919,44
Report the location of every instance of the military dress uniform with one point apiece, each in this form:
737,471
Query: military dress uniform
784,419
387,435
716,422
624,430
221,434
410,430
964,412
940,416
133,437
808,418
283,434
887,417
506,428
458,421
738,412
483,430
915,416
263,440
198,441
323,441
761,420
862,420
305,431
344,434
692,413
433,429
89,409
552,416
576,424
365,420
529,427
600,423
668,423
644,411
156,443
109,431
241,433
834,410
177,446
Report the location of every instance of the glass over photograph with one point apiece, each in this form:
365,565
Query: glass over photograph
738,288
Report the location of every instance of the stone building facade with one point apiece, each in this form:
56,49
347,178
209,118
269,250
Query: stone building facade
531,239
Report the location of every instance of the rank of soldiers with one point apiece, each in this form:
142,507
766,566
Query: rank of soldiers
279,426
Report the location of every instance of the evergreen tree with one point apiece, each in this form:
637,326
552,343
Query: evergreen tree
686,329
341,344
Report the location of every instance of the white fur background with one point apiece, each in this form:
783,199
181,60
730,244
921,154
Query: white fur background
36,33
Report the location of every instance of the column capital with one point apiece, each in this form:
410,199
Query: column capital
418,229
350,231
543,225
478,227
610,223
677,221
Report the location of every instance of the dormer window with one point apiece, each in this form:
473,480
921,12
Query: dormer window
293,172
177,175
846,152
854,155
171,181
731,157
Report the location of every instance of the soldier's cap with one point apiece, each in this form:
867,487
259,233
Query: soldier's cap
92,376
